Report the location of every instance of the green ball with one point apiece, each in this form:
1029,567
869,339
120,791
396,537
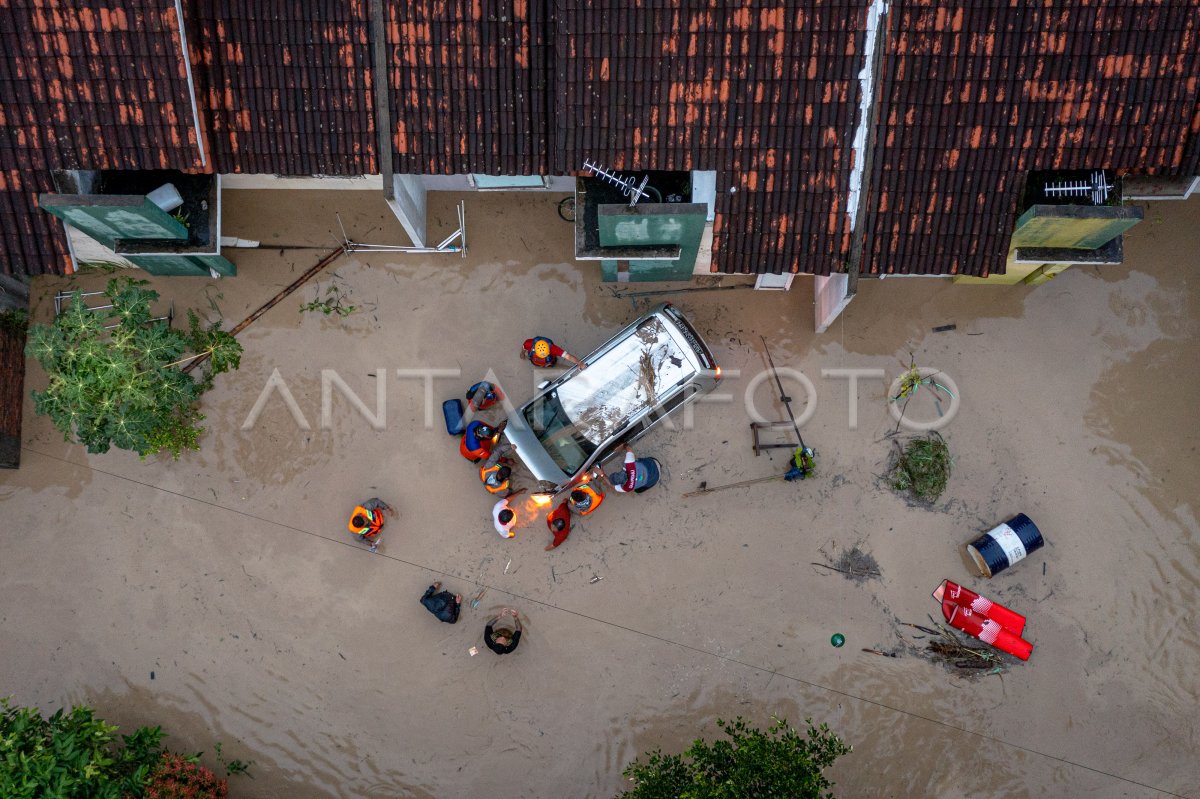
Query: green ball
838,639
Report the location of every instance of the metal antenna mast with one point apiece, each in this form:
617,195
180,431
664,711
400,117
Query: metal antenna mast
634,193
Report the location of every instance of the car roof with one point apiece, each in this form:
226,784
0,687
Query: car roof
636,372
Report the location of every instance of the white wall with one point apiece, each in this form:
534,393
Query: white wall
410,206
829,299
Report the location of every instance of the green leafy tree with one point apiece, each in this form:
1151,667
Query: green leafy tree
776,763
72,755
116,377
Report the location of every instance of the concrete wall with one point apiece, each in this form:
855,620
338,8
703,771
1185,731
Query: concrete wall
364,182
829,299
564,184
409,205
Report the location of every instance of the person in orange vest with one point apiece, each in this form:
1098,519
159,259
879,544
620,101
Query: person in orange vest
541,351
483,395
477,441
559,522
585,499
366,522
496,478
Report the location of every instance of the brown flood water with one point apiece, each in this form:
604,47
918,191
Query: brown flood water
229,576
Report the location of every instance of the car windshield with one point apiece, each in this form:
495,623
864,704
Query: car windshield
561,437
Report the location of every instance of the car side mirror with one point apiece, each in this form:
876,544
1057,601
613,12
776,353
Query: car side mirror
542,385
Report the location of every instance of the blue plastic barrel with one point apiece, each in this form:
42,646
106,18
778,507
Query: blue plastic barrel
1004,545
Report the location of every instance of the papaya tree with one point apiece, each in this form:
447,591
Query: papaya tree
116,375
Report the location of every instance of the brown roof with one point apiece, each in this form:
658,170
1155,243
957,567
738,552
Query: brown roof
970,99
84,84
764,97
471,86
287,84
976,96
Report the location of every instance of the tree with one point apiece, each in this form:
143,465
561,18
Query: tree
72,755
115,376
776,763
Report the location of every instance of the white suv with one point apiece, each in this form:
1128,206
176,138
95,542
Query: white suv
650,369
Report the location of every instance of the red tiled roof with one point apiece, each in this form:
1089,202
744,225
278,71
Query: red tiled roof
470,85
976,96
766,95
970,98
288,85
98,84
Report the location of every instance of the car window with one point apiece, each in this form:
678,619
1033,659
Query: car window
562,439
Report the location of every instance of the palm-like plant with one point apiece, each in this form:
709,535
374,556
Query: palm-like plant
114,376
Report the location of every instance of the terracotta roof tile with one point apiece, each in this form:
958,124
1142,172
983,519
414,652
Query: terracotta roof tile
470,85
288,85
974,100
765,96
970,99
85,84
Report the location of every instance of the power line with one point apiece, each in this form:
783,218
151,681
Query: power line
615,625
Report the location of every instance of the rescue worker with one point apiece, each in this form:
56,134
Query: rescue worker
541,351
638,475
497,478
804,463
477,441
559,522
366,522
483,395
585,499
504,518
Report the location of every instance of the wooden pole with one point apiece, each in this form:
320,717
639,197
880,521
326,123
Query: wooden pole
271,303
706,490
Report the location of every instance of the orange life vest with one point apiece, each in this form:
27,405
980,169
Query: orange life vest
595,499
483,446
483,395
374,522
486,472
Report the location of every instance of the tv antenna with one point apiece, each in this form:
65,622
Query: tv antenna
634,193
1097,188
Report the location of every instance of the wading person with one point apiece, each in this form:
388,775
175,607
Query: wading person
442,604
505,518
541,351
503,633
366,521
803,464
483,395
497,478
585,499
559,522
477,441
639,474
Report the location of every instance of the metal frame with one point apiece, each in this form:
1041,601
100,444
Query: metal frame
759,446
447,244
61,295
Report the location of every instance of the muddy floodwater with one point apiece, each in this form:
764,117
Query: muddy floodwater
221,595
